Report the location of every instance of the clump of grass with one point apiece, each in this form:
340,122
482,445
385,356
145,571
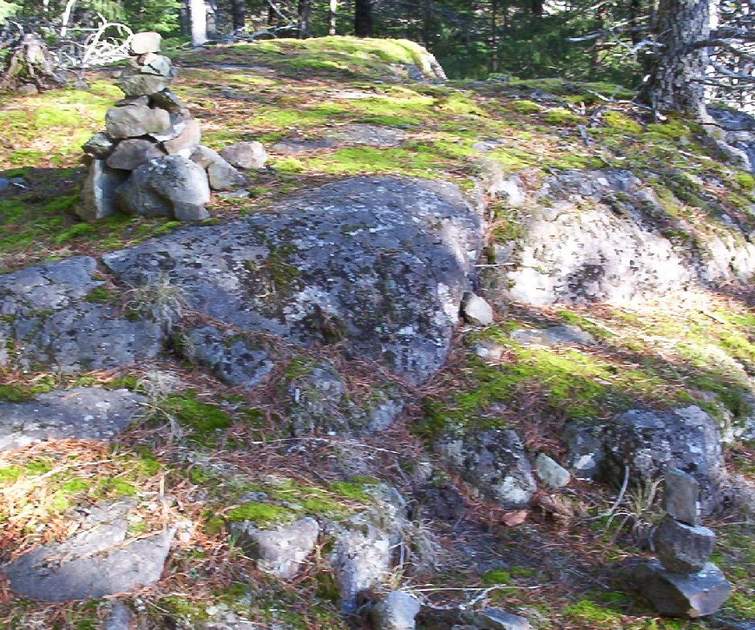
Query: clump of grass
161,300
261,513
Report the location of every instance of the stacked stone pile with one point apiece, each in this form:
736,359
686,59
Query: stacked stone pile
149,159
682,582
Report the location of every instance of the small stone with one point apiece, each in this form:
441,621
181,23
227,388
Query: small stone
681,496
144,42
100,145
131,154
683,548
245,155
224,177
476,310
187,140
551,473
139,84
133,121
280,551
159,65
397,611
167,100
489,351
678,595
99,193
497,619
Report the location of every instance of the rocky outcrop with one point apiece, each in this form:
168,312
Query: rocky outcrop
49,319
601,236
88,413
377,264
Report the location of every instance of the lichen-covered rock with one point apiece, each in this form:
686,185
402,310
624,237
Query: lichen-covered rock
129,155
553,336
144,42
48,320
281,550
362,556
681,494
139,84
318,401
186,140
234,359
172,186
94,563
378,264
476,310
496,619
649,442
493,461
99,145
396,611
594,236
550,472
87,413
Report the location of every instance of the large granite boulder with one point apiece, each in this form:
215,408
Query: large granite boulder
89,413
50,321
134,120
650,441
99,197
376,264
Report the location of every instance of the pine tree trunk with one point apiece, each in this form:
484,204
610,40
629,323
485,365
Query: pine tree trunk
238,11
332,13
198,21
305,15
363,25
676,72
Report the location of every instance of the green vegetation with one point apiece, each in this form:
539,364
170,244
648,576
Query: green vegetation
261,513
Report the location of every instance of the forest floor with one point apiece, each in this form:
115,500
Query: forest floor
558,566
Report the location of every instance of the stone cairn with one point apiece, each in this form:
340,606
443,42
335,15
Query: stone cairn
149,160
682,582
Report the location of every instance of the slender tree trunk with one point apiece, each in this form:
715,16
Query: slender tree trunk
493,65
675,74
305,15
66,17
427,26
238,11
332,15
635,13
537,8
198,22
363,24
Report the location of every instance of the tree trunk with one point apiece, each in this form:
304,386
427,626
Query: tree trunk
675,74
363,24
305,15
198,21
332,17
238,13
66,17
635,13
493,64
537,8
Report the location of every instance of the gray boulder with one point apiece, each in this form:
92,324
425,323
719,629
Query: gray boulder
493,461
48,320
649,442
550,472
131,154
586,450
121,617
678,595
94,563
681,494
187,140
144,43
159,65
134,120
234,359
280,551
99,197
87,413
135,83
378,264
167,100
172,186
683,548
396,611
225,177
246,155
476,310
